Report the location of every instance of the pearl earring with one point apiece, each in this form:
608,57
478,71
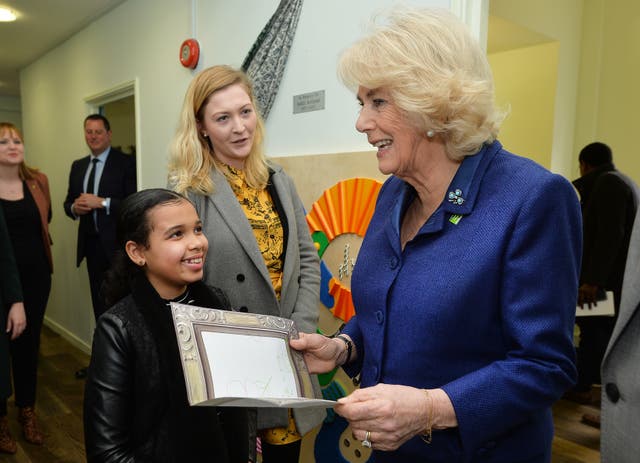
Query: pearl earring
430,133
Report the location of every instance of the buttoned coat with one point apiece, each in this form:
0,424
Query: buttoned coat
118,181
235,264
621,368
481,303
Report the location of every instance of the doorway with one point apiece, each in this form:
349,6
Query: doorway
118,105
122,117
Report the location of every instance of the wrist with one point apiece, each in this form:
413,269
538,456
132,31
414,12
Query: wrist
346,349
444,415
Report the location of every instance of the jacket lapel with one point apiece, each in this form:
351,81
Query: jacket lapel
226,203
289,212
105,178
83,165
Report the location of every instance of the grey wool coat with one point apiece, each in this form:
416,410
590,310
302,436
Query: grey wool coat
235,264
621,369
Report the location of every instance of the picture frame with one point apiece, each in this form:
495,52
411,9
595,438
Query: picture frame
234,358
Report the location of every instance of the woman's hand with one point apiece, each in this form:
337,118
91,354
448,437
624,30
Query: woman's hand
393,414
320,352
16,320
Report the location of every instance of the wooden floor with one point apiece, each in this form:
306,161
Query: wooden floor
59,408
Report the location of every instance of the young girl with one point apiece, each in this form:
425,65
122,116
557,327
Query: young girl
135,404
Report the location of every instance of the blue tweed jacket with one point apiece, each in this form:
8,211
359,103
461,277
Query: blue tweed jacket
480,303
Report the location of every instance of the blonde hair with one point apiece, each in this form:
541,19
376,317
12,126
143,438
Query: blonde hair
191,156
436,73
24,171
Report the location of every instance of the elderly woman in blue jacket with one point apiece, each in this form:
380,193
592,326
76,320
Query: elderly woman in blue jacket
465,285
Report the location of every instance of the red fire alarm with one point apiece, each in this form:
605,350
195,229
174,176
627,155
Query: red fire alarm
189,53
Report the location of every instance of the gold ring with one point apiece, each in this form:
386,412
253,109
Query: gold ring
367,440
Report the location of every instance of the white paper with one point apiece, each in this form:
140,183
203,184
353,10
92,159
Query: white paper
604,307
249,366
300,402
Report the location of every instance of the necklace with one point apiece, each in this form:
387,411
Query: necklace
11,191
180,299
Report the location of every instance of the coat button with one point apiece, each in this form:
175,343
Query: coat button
393,262
379,317
240,277
243,309
612,392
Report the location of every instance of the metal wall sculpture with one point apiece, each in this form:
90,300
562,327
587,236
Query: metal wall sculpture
267,58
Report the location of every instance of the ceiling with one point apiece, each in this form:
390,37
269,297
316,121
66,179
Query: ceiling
44,24
41,26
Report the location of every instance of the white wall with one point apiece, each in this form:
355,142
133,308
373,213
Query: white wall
325,28
10,110
563,22
139,41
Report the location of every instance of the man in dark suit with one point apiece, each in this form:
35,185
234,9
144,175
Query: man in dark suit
97,185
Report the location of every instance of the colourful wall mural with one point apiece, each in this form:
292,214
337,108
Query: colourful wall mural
338,221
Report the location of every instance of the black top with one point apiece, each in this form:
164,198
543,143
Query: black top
25,230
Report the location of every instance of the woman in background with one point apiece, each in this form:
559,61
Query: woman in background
26,203
12,310
261,253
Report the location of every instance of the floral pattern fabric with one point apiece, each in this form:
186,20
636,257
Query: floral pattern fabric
265,223
261,212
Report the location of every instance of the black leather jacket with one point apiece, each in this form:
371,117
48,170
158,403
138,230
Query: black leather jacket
135,404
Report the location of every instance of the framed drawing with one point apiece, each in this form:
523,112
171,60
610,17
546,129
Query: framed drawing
241,359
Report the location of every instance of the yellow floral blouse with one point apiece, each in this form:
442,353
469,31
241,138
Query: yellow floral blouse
265,222
261,212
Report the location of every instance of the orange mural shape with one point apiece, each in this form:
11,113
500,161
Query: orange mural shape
343,307
346,207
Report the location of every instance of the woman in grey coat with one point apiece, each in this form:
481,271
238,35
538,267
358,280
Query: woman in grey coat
261,254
